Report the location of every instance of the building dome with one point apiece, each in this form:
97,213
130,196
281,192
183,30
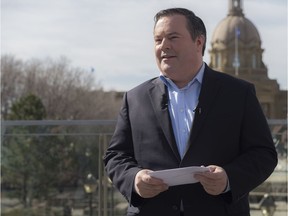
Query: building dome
236,50
236,26
236,44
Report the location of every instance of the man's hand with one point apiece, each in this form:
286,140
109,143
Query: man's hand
215,181
147,186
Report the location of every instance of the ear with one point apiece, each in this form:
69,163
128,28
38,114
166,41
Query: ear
200,40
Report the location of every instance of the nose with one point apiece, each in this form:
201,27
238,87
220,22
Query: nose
165,44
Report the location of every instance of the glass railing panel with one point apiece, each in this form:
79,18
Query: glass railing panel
56,168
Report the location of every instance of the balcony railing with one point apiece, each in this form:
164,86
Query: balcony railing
56,168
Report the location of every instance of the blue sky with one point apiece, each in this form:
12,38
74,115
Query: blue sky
115,36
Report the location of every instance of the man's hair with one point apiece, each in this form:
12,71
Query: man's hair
195,25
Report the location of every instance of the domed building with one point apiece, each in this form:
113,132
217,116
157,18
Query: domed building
236,50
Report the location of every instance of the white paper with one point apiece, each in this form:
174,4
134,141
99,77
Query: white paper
179,176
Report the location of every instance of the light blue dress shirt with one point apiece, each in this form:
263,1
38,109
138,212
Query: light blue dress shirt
182,103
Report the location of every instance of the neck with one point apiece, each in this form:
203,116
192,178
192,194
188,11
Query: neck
190,76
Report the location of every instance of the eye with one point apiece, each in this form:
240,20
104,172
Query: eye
173,37
157,40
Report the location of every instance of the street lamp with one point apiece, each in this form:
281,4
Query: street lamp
267,205
90,186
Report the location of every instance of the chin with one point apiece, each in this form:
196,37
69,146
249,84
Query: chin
167,71
167,68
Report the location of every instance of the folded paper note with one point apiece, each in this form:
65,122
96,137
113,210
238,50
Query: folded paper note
179,176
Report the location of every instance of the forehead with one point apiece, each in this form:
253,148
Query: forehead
173,23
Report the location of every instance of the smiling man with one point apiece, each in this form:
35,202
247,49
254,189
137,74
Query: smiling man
190,115
178,55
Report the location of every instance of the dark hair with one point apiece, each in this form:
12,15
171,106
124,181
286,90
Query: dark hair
195,25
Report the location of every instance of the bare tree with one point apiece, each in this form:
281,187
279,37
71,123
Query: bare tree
11,82
66,92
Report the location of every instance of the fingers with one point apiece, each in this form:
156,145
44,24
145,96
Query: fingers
213,182
147,186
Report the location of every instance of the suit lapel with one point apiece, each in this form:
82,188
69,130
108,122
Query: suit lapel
157,94
209,90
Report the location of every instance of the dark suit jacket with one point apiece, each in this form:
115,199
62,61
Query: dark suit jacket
229,130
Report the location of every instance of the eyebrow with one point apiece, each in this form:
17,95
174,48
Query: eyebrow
169,34
173,33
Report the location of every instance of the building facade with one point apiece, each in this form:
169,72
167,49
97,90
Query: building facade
236,50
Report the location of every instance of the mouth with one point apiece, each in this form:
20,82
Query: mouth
163,57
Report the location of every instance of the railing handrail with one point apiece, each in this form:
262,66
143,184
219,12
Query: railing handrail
89,122
56,122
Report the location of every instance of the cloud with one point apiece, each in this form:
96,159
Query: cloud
115,37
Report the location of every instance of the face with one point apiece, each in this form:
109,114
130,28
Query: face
178,56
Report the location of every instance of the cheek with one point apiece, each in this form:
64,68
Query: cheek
156,49
189,54
157,54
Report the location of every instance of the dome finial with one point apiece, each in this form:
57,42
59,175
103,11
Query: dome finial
235,8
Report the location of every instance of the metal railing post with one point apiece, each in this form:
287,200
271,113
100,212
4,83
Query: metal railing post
100,175
105,180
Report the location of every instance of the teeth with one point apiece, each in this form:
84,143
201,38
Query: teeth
167,55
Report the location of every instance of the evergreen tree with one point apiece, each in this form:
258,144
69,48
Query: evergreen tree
28,108
28,161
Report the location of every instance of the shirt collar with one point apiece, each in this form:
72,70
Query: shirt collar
199,77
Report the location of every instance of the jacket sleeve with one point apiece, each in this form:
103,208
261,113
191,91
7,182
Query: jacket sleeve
119,160
258,156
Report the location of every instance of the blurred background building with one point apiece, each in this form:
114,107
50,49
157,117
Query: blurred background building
236,50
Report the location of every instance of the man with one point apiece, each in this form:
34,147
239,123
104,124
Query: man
189,116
